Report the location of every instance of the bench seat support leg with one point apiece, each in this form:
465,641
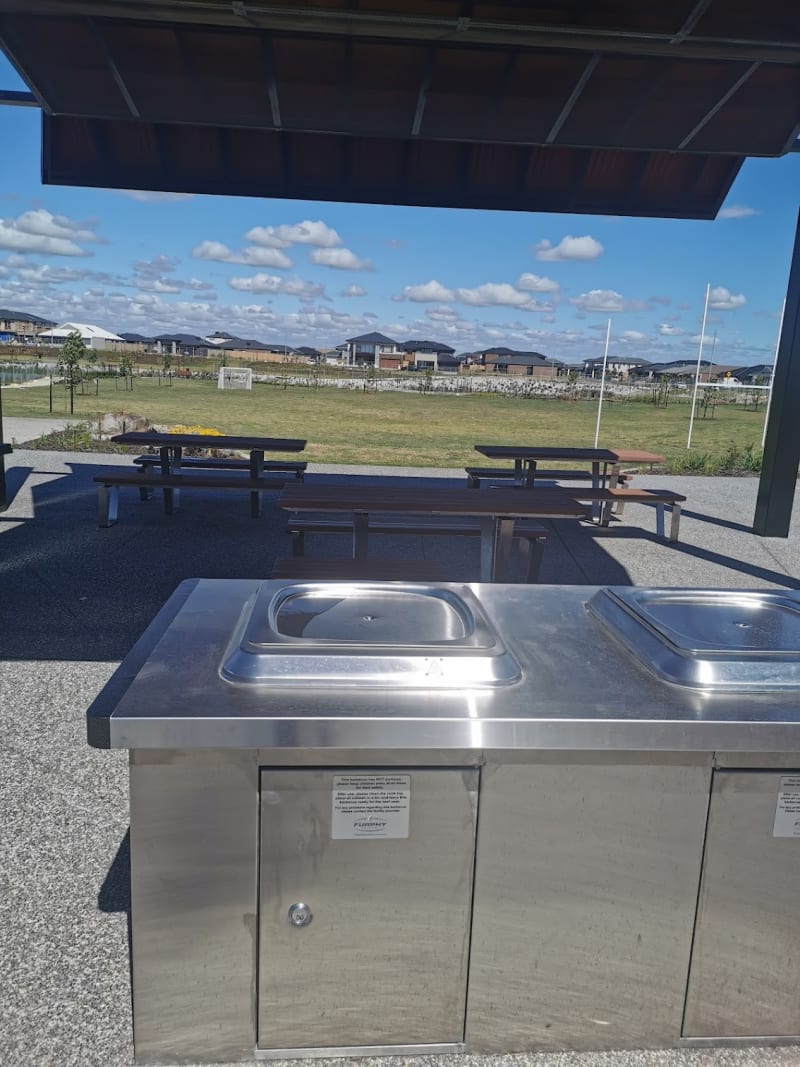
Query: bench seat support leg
107,505
660,520
675,521
535,553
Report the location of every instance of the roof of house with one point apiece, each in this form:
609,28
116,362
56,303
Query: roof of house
306,350
182,339
597,361
135,338
758,370
426,346
25,316
219,335
84,329
510,357
372,339
232,344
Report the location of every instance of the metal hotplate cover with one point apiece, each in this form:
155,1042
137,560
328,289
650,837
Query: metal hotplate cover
715,639
376,633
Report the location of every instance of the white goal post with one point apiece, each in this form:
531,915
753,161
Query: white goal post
235,378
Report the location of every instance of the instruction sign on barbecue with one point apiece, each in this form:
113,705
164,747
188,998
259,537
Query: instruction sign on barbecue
370,805
787,811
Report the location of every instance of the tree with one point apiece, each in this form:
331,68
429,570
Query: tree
69,364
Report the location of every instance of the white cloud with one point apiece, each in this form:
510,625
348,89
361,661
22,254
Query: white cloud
271,283
737,211
633,335
498,294
299,233
145,196
708,339
47,275
41,233
569,248
251,256
668,330
722,299
431,292
353,290
159,285
156,266
599,300
44,224
443,314
534,283
339,259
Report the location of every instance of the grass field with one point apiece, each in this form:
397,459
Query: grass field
402,429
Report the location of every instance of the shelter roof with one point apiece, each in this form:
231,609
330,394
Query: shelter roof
610,107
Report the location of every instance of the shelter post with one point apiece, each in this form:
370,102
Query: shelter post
778,482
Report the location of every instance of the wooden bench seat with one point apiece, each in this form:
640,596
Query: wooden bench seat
477,474
529,535
109,483
381,570
297,468
660,498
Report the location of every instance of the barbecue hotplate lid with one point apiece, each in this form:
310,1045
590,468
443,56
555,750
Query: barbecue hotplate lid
367,633
714,639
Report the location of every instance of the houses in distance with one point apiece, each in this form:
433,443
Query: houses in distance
369,350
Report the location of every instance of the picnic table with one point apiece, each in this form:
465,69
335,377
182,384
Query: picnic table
497,512
527,457
171,446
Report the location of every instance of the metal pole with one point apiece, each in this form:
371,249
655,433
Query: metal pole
699,357
602,385
778,481
772,377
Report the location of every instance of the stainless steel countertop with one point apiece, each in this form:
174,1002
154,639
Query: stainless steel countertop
580,689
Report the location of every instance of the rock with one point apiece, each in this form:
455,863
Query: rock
120,422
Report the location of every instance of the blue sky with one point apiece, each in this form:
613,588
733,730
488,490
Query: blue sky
299,272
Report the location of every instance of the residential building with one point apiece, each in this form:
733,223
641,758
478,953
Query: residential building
94,337
179,344
425,355
522,364
616,366
760,374
20,327
254,351
373,349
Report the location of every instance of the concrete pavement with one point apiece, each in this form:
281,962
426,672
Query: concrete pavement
74,598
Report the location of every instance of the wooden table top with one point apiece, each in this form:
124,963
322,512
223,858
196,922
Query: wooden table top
595,455
202,440
513,503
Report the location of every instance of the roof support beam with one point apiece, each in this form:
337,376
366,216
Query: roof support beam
10,45
103,45
691,20
723,100
422,94
412,27
573,97
272,83
778,482
18,98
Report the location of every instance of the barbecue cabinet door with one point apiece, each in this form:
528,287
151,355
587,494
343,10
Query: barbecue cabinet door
745,971
365,906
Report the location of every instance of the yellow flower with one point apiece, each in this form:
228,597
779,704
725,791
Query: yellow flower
206,430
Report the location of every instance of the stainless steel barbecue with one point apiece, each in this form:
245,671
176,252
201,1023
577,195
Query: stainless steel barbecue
353,802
